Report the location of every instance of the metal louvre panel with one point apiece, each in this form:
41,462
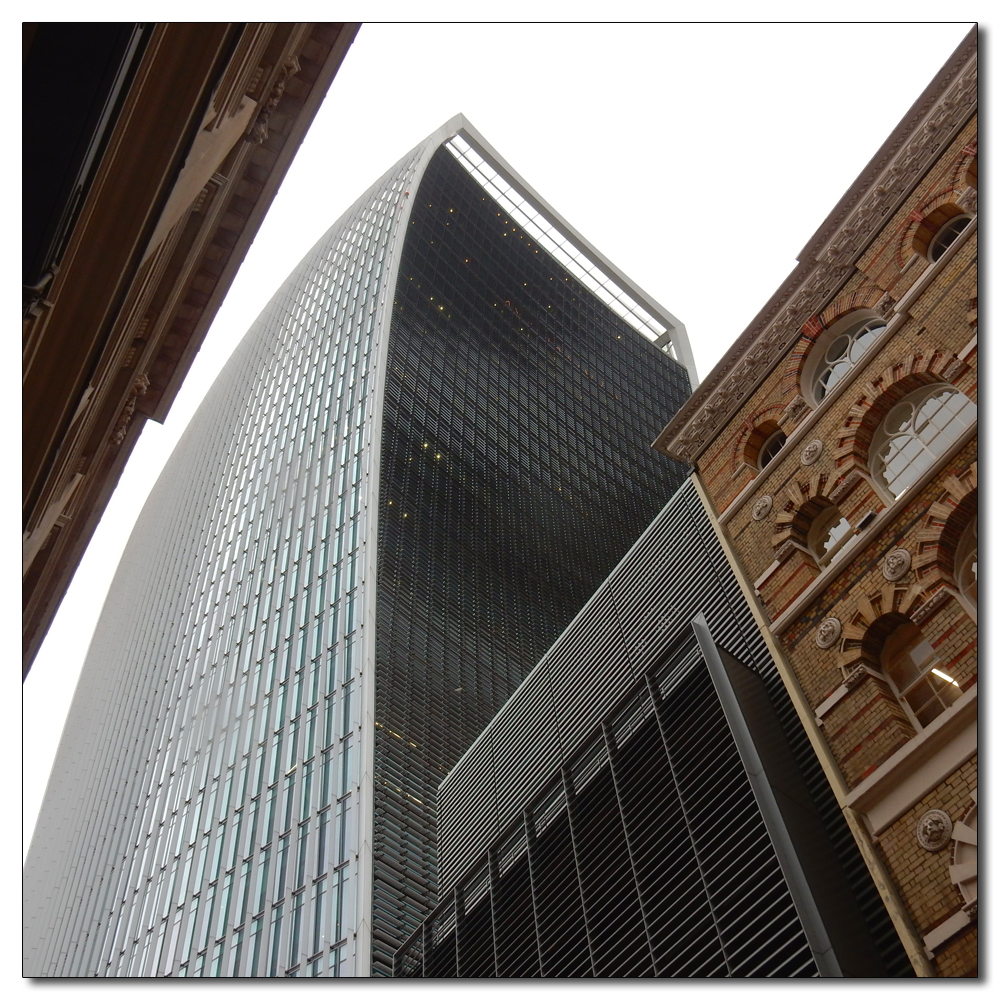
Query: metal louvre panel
678,914
584,672
670,573
608,888
516,939
734,853
562,931
474,936
652,859
661,862
451,839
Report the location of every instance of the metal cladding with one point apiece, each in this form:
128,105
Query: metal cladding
636,809
417,466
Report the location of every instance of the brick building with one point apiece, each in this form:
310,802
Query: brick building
836,446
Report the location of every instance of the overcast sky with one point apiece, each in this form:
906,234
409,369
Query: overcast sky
699,158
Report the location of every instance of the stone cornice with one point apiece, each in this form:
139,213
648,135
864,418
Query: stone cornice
828,258
135,296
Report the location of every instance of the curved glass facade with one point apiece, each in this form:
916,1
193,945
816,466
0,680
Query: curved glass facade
423,458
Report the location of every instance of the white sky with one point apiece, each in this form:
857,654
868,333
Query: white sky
699,158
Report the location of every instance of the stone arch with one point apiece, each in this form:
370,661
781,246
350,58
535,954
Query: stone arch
791,379
925,221
945,520
803,501
965,173
970,177
882,392
861,298
874,616
756,430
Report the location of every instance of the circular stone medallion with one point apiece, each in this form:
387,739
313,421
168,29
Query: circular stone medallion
828,632
761,508
811,452
934,830
896,564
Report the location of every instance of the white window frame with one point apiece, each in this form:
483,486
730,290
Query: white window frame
854,324
915,400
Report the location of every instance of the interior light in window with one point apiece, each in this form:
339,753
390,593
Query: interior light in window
910,663
944,676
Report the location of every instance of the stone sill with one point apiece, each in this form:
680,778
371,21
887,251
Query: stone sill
947,930
914,769
840,693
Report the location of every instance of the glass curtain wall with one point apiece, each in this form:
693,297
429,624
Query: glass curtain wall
243,659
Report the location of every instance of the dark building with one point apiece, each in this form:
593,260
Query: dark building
647,803
418,465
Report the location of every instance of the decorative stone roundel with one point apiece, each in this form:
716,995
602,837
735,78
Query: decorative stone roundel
762,508
895,564
934,830
828,632
811,452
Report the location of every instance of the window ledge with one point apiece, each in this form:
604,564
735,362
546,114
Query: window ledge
947,930
834,699
919,766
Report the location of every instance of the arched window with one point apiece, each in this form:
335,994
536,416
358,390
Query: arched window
916,432
913,668
946,235
838,351
770,448
967,562
828,534
763,443
938,229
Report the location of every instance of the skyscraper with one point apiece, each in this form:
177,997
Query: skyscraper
418,465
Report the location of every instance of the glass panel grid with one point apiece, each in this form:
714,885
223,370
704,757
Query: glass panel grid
917,431
548,237
227,657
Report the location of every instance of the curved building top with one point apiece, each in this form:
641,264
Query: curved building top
567,246
397,493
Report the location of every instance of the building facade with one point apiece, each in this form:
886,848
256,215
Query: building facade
836,446
151,153
647,803
420,462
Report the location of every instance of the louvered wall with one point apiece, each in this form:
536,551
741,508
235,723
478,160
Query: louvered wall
604,824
